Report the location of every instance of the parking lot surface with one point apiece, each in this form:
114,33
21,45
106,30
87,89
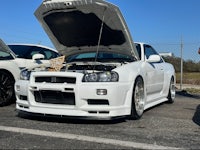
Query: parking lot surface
165,126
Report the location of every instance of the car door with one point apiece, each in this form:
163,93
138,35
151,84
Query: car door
154,72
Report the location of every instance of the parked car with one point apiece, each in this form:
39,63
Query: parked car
15,57
9,73
105,76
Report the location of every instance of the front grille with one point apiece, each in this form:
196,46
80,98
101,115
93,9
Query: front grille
54,97
54,79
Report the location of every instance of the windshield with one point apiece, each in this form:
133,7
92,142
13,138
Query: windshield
102,57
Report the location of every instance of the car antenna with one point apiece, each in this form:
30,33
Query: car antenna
99,39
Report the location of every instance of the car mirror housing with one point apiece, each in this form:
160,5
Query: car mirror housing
37,57
154,59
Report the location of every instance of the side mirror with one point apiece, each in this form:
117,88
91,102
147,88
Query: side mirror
37,57
154,59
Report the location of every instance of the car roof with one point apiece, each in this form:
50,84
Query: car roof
34,45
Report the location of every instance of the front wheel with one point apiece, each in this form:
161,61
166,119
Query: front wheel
6,88
138,99
172,91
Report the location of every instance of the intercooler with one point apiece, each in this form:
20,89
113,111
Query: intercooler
54,97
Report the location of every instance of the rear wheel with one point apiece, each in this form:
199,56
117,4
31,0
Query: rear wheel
172,91
6,88
138,99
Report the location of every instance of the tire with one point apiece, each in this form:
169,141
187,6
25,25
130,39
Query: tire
172,91
138,99
7,95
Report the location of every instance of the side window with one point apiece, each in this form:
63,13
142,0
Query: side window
148,50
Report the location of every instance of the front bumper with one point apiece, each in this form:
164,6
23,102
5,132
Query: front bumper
99,100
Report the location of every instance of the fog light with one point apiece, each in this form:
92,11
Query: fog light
101,92
23,97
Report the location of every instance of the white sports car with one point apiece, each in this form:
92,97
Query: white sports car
105,75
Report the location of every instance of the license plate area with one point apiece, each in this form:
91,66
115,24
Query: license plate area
54,97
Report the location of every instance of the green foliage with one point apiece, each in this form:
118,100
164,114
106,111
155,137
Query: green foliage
188,66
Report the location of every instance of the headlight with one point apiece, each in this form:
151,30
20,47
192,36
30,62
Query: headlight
101,77
25,74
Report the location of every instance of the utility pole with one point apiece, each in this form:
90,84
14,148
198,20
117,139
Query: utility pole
181,82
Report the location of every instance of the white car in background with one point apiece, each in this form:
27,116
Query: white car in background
105,76
9,73
24,54
12,61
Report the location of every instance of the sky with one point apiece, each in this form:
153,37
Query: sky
161,23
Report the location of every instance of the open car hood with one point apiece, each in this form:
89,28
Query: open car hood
76,26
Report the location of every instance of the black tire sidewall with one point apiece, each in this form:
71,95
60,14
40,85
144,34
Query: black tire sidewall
11,98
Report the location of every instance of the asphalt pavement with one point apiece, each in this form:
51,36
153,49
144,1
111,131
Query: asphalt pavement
166,126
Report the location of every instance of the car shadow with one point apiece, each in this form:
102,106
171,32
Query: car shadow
196,117
67,119
186,94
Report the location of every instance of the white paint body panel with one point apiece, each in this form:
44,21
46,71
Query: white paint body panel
10,66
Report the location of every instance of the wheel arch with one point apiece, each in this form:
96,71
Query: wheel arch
133,114
9,73
174,78
171,77
171,90
142,77
140,74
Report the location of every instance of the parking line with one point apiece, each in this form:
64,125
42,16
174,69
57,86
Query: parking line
84,138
